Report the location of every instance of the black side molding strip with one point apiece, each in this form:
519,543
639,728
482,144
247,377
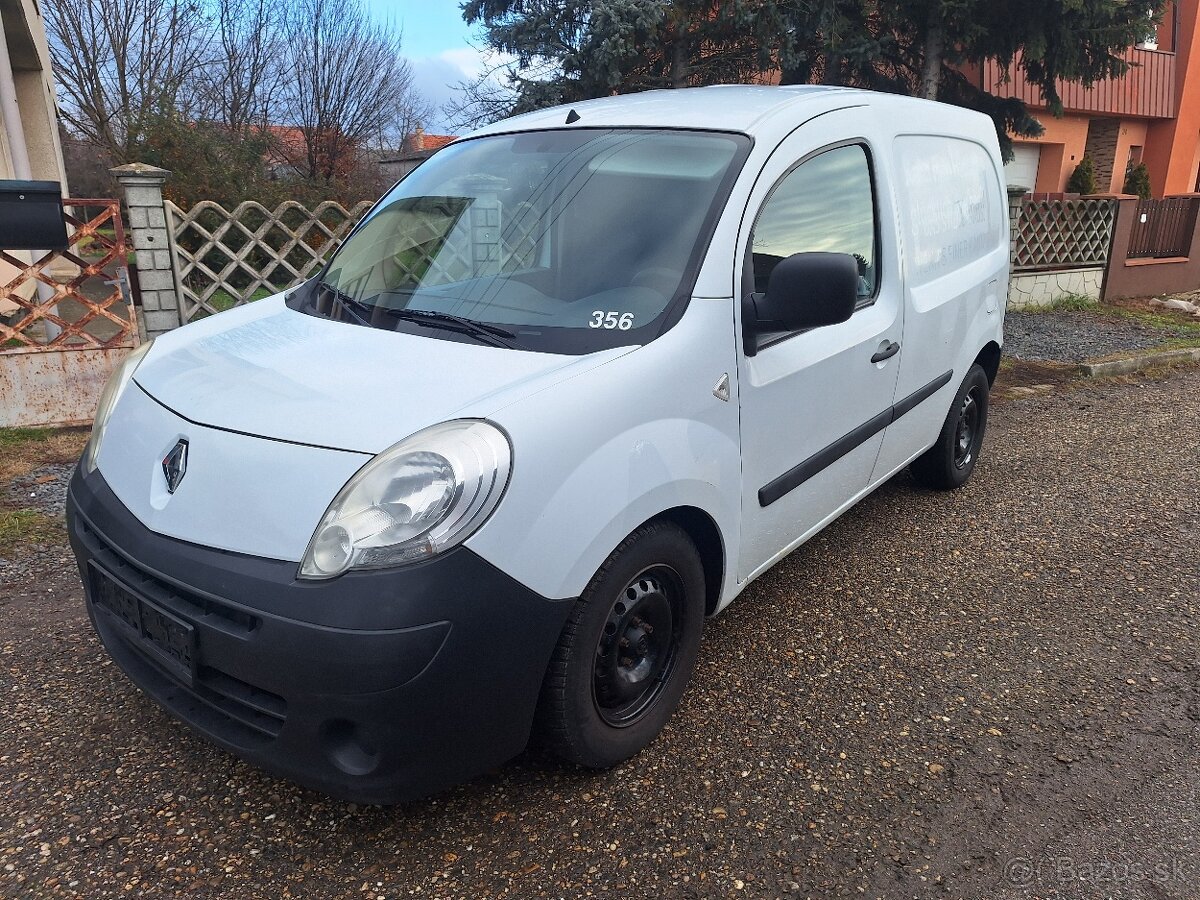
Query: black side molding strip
912,401
823,459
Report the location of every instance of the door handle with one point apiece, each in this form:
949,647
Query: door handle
886,351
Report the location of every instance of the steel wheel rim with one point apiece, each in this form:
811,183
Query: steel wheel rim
966,435
638,646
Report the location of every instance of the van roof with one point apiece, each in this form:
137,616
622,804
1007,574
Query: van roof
724,107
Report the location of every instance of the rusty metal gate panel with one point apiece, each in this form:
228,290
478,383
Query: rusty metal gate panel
70,321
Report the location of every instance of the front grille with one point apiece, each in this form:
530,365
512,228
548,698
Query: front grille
212,700
216,703
253,707
227,618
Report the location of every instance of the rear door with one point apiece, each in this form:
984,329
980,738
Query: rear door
814,404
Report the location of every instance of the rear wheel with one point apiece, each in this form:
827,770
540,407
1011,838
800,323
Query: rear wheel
627,651
950,462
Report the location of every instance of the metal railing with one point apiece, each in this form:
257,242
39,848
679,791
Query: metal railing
88,304
67,320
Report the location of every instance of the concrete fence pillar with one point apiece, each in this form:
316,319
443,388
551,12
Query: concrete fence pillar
152,242
1016,203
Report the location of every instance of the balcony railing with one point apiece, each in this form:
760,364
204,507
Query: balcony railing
1147,89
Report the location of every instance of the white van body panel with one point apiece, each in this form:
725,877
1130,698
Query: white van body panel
953,219
282,408
597,456
331,384
804,393
242,493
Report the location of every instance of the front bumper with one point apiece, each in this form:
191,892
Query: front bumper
374,687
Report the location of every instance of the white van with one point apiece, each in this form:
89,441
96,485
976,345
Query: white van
567,390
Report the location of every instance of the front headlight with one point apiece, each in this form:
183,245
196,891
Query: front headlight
117,382
424,495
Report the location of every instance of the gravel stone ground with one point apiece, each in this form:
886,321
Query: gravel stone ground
43,489
991,693
1077,337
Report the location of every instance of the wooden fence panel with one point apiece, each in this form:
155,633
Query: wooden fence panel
1163,229
225,258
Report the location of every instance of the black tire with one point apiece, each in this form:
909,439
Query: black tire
602,703
950,462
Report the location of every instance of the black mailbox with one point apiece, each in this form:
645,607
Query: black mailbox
31,216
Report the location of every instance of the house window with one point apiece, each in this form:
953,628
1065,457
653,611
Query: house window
1150,41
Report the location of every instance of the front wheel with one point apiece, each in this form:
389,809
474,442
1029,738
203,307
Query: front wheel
950,462
627,652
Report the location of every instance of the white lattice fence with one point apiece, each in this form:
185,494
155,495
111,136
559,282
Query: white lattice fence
225,258
1063,234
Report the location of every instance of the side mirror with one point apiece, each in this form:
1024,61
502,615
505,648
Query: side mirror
807,290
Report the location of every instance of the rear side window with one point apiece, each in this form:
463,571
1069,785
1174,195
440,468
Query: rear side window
825,205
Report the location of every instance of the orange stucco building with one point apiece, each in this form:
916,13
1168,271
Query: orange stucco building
1151,115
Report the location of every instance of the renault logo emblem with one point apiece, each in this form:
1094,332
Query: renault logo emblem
175,465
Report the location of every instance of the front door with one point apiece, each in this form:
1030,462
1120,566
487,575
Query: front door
815,404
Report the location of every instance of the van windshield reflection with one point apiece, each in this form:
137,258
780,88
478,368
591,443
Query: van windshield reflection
567,241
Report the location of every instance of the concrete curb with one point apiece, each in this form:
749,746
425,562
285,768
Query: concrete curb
1138,363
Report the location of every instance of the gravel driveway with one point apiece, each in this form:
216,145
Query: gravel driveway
992,693
1077,337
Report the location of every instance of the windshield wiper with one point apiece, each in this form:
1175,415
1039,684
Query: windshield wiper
357,309
492,334
364,312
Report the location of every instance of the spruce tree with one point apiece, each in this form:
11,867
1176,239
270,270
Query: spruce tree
1083,179
569,50
1137,181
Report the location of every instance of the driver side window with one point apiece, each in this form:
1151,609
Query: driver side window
826,204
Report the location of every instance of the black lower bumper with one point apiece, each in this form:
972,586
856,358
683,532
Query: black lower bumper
373,687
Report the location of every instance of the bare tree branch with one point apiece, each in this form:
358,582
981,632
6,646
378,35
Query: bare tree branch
350,88
487,98
120,62
319,82
243,81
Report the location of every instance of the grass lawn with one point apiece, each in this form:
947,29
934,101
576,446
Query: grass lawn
223,300
1155,317
22,450
1182,332
1066,303
91,247
27,526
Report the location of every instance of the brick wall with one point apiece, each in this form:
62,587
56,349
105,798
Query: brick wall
1103,137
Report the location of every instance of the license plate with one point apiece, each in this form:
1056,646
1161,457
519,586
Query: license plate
167,638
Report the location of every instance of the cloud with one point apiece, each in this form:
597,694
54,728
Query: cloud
436,77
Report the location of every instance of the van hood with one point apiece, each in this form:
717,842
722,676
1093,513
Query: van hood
269,371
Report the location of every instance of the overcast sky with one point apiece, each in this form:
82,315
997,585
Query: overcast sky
438,43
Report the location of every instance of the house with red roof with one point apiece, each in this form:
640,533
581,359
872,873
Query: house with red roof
414,150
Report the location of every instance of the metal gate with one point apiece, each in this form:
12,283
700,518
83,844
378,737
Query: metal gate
1163,228
69,320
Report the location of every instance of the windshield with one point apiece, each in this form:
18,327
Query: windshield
564,241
